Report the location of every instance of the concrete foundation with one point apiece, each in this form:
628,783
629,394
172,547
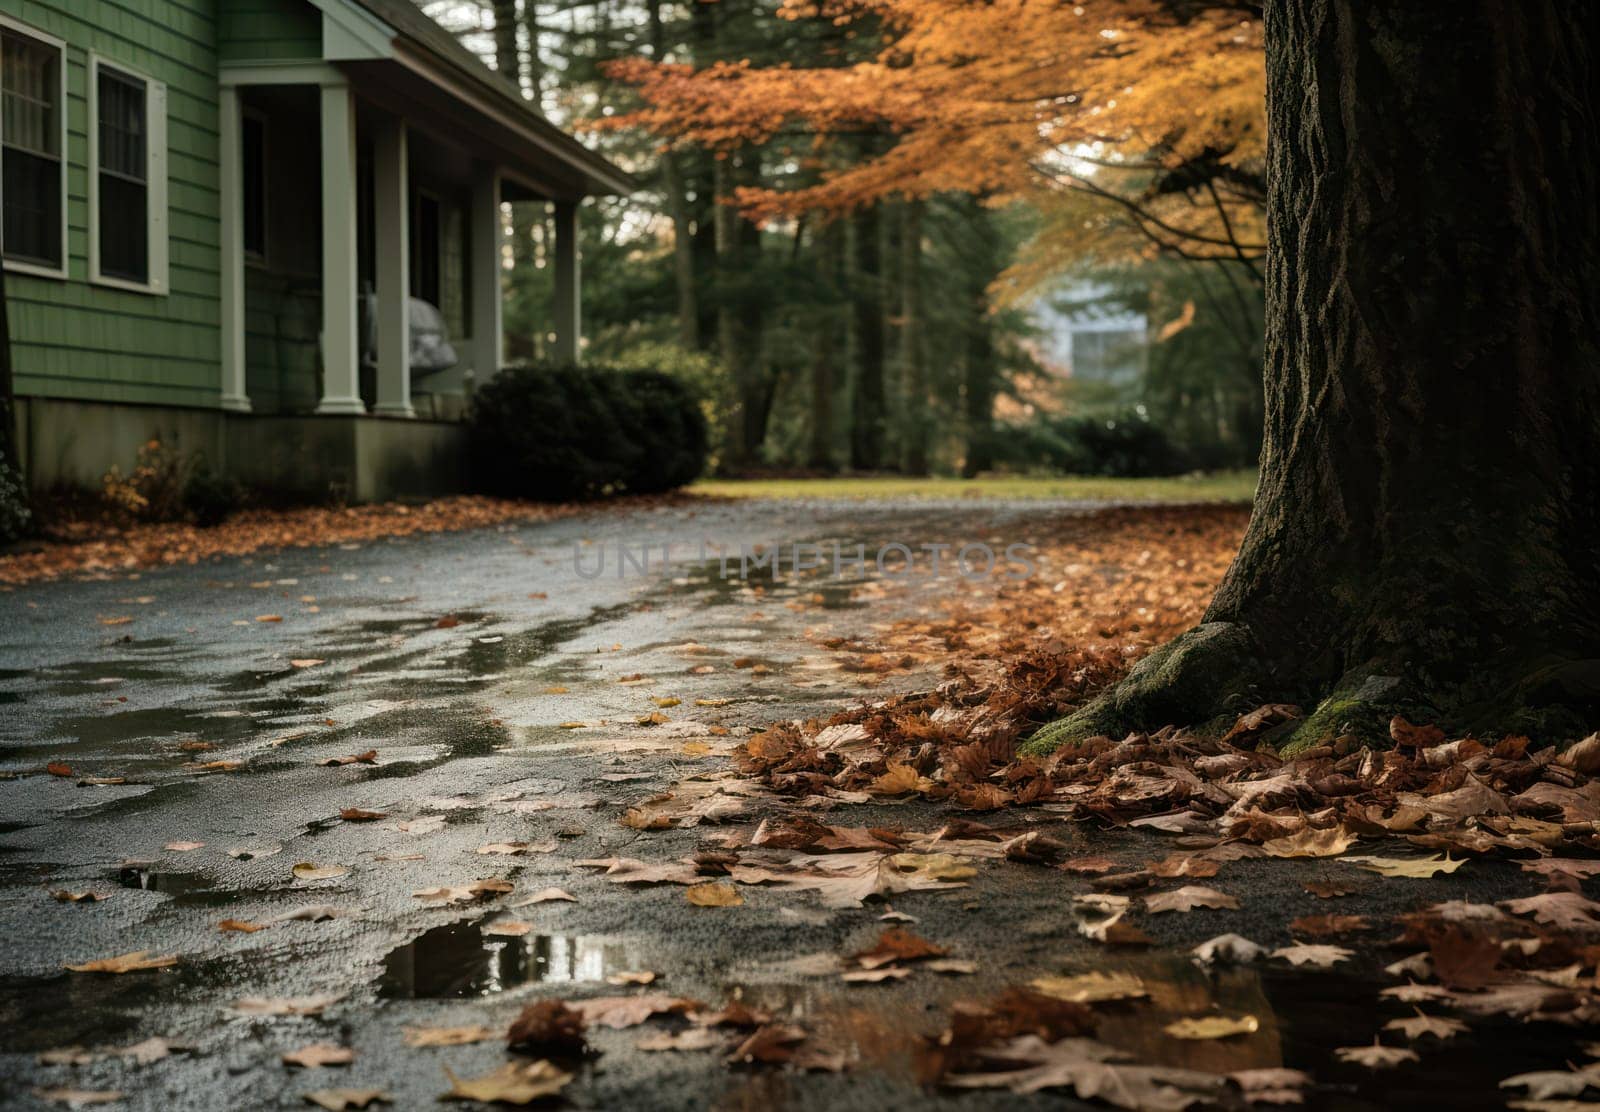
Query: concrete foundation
354,458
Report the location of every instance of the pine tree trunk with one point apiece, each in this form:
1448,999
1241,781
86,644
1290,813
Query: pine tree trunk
1427,527
505,42
672,185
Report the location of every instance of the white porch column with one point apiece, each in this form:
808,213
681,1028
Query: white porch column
391,220
341,388
485,262
568,323
230,183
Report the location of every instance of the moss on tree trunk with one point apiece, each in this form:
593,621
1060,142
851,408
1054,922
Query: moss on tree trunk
1426,532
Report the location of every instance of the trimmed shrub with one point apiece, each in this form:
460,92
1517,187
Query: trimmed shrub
559,434
15,516
1124,445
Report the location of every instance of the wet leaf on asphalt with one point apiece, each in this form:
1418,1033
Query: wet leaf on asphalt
630,1011
464,893
519,849
133,962
241,926
319,1054
628,870
1417,868
285,1005
310,871
1415,1027
1316,956
1092,988
689,1039
508,928
1328,842
549,1026
369,757
1188,898
715,894
897,944
65,895
448,1036
875,976
1228,949
356,814
1377,1056
1213,1027
512,1083
544,895
340,1100
631,977
183,847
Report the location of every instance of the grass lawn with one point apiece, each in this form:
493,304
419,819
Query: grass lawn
1222,486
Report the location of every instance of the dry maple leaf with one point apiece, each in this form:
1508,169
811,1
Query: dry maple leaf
1549,1084
447,1036
549,1026
1411,992
1088,1068
1188,898
628,870
124,963
1567,910
1419,1025
1377,1056
1319,957
512,1083
340,1100
1272,1085
544,895
319,1054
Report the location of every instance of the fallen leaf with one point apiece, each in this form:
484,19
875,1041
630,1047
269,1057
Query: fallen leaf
464,893
631,977
59,768
1324,926
512,1083
950,966
183,847
448,1036
307,870
875,976
269,617
1419,1025
1417,868
1546,1084
340,1100
715,894
549,1026
1327,842
1092,988
79,1098
1212,1027
544,895
241,926
1327,889
897,944
124,963
508,928
64,895
1228,949
630,1011
517,849
356,814
285,1005
689,1039
1188,898
1317,956
1376,1056
306,662
1567,910
319,1054
369,757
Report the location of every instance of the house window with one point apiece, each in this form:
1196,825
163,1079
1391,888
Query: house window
127,179
253,167
32,130
425,250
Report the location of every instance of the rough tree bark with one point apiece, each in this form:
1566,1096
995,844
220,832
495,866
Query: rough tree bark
1426,533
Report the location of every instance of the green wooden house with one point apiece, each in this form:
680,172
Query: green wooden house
219,216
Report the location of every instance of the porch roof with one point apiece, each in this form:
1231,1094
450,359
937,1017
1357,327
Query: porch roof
396,31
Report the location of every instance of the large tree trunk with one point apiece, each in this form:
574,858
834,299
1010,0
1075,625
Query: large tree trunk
1427,527
913,366
506,62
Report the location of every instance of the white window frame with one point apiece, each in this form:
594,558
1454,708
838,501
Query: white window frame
18,266
155,153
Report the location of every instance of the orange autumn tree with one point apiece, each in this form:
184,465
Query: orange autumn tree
1153,108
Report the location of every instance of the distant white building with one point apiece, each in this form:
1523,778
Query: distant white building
1083,337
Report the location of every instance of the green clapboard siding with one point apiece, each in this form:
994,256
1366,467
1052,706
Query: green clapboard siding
72,339
264,30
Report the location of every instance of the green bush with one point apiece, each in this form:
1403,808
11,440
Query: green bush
564,433
15,516
1122,445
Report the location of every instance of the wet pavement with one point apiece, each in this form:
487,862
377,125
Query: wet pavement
467,662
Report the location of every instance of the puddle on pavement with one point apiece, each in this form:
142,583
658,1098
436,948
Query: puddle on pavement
149,878
459,960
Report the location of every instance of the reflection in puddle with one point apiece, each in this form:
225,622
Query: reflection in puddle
147,878
460,960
